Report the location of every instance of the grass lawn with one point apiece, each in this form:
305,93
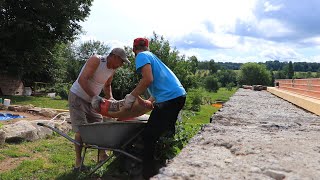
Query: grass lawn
44,102
53,157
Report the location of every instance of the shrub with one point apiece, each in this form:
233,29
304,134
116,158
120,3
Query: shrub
62,89
211,83
229,86
253,74
194,99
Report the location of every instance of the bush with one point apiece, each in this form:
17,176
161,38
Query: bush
124,81
195,104
229,86
211,83
194,99
254,74
62,89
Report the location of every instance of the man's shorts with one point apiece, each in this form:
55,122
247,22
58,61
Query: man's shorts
81,112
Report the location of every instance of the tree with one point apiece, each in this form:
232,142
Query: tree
253,74
193,63
213,67
29,30
290,70
226,77
123,83
161,48
89,48
211,83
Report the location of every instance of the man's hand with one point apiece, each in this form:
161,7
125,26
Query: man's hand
128,101
146,103
95,102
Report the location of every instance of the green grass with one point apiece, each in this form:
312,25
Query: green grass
14,152
53,157
206,111
223,94
44,102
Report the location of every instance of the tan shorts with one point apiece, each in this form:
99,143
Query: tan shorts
81,112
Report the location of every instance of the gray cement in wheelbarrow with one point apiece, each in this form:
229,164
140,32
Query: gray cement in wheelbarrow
256,135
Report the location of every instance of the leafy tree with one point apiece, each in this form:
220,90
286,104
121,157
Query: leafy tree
226,77
213,67
161,48
274,65
211,83
89,48
29,30
253,74
290,70
193,64
280,75
123,83
272,78
63,59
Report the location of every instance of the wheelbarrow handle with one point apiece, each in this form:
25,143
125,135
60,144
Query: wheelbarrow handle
59,132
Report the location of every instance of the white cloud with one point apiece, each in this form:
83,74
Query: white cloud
269,7
279,53
272,28
225,30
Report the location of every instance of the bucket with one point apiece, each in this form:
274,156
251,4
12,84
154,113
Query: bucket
6,102
52,95
27,91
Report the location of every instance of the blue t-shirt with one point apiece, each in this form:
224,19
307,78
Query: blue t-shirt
165,85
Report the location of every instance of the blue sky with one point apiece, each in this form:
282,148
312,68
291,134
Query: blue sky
223,30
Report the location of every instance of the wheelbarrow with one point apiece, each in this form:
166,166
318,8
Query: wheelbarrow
114,136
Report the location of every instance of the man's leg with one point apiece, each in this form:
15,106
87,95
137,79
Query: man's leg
162,119
150,135
78,117
78,149
93,116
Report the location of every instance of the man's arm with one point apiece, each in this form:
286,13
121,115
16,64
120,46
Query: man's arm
87,73
147,78
107,88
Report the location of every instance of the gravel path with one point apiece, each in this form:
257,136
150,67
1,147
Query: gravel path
256,135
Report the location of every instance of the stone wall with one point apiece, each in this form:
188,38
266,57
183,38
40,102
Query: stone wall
10,85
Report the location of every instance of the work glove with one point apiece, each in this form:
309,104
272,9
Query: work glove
95,102
128,101
115,105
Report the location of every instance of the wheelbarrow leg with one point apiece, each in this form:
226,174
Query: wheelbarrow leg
100,164
83,156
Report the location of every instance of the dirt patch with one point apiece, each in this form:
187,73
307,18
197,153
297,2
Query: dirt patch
11,163
27,117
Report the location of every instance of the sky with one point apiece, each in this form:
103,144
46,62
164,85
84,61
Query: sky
222,30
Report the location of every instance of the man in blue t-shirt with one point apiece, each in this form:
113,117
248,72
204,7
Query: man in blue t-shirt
168,96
